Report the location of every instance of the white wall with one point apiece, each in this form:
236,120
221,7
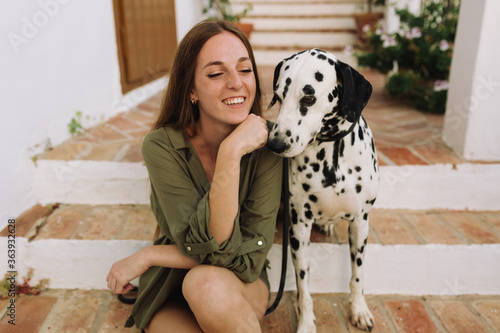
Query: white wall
188,13
473,106
58,57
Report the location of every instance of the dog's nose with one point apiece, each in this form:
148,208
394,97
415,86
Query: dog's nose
277,145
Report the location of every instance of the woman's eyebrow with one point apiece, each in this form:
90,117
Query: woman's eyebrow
213,63
219,63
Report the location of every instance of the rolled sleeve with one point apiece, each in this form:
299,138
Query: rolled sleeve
201,245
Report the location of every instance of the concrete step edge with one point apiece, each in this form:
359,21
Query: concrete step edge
419,187
389,269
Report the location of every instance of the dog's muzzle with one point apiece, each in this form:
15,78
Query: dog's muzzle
277,145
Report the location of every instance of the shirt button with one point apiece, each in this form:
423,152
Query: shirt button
259,243
189,248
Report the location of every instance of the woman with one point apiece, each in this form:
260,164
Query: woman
215,193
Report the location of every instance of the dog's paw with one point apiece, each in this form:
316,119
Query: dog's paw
361,317
307,322
304,327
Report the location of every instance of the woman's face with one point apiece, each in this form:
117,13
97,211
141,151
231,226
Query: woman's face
224,82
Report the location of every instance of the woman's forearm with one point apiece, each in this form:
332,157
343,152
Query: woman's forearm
167,256
249,135
223,198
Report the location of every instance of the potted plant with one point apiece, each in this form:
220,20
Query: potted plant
367,18
417,57
222,9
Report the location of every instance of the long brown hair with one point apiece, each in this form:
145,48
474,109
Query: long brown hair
177,110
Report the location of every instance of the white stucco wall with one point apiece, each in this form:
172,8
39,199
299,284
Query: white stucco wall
58,57
473,107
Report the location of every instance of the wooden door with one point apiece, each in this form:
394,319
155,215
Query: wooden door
146,38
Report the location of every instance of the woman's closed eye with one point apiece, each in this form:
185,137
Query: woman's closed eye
214,75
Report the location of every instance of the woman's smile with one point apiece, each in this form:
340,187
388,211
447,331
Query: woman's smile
234,101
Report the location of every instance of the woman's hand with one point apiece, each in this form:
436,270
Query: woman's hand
124,271
250,135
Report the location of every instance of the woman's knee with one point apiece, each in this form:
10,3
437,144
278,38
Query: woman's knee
211,286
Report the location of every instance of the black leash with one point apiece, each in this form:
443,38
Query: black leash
286,214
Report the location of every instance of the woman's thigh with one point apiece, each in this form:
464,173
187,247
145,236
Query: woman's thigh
174,316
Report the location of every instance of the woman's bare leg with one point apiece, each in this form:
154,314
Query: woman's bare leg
221,302
174,316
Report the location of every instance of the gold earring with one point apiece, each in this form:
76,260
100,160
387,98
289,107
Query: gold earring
193,101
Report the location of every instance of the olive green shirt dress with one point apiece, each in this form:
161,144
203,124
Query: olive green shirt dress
179,201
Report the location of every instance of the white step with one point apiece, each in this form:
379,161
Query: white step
271,57
304,23
274,9
302,39
420,187
454,269
357,2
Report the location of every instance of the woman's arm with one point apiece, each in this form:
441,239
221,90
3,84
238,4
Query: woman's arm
125,270
250,135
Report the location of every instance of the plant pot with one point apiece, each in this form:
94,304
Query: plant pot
247,28
364,19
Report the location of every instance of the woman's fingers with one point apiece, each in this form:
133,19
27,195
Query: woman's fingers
251,133
114,283
128,288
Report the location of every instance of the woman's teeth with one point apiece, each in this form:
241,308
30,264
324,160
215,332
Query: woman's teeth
231,101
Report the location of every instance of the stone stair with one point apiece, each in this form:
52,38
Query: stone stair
435,229
435,212
283,28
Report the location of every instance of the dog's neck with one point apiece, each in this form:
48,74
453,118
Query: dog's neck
334,128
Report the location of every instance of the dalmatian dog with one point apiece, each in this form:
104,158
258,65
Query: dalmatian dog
333,168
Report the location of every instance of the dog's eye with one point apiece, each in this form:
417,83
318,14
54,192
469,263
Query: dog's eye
308,100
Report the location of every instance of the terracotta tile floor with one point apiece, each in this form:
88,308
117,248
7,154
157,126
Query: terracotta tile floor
100,311
403,135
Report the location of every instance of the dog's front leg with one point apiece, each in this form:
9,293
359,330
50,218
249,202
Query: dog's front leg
361,316
300,234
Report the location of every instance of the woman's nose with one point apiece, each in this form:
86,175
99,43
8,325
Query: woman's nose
234,81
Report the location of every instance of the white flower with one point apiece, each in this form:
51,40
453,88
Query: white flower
440,85
349,50
443,46
388,40
366,28
378,31
414,33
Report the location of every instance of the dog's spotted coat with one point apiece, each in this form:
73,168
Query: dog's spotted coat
333,164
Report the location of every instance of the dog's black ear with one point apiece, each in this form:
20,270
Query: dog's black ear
275,80
277,70
356,91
